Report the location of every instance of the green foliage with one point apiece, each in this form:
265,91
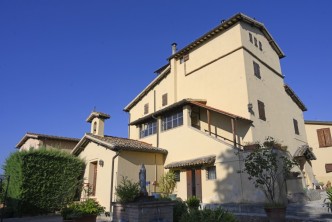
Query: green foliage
83,208
328,200
208,215
127,191
179,209
193,202
167,183
268,167
42,180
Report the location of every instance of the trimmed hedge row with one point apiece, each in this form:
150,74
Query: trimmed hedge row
42,180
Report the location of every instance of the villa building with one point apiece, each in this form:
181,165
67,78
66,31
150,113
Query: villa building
215,95
319,138
37,140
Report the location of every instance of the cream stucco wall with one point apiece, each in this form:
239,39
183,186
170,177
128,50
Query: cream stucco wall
324,154
126,164
221,72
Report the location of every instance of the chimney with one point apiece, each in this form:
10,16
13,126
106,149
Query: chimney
97,120
174,48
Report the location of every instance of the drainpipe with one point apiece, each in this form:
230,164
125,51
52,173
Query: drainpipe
112,177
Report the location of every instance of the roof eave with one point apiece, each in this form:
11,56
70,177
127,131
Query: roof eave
225,26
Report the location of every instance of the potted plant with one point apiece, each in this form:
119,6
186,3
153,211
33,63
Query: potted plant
193,203
83,211
328,200
167,184
127,191
268,168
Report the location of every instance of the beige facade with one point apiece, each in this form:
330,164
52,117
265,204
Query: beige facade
36,141
108,159
223,90
319,139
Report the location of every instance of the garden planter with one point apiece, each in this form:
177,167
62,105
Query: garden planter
276,214
88,218
172,196
156,195
250,147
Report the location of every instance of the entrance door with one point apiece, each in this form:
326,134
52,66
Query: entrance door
194,183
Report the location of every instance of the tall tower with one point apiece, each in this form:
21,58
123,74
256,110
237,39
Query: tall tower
97,122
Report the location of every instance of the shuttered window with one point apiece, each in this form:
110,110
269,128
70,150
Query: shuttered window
146,108
164,99
296,127
261,110
328,167
324,137
257,70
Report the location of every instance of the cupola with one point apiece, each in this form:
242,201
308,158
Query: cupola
97,122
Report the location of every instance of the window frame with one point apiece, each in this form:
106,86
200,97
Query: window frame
164,99
148,129
261,110
251,38
296,127
146,108
324,137
257,70
211,173
177,175
172,120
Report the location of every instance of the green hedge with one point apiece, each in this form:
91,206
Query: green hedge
42,180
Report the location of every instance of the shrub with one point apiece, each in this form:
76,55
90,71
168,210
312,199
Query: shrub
83,208
193,203
42,181
208,215
179,209
127,191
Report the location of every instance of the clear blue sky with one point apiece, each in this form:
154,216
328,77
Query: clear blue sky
59,59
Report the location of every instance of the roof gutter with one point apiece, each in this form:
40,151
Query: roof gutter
112,177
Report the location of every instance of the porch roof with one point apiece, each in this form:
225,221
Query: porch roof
306,152
116,144
197,102
200,161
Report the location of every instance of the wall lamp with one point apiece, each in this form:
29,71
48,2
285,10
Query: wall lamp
250,106
101,163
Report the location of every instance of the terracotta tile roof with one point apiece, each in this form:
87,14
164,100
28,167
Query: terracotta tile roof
117,144
97,114
29,135
205,160
196,102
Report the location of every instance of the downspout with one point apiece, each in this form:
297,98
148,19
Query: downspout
112,177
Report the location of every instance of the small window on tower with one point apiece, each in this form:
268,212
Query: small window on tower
94,127
260,46
146,108
261,110
250,37
257,70
164,99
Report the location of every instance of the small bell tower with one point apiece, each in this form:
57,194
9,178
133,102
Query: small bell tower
97,120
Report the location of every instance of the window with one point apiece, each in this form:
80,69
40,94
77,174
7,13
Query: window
164,99
147,129
296,127
261,110
177,175
260,46
211,173
257,70
146,108
255,40
172,120
328,167
250,37
324,137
